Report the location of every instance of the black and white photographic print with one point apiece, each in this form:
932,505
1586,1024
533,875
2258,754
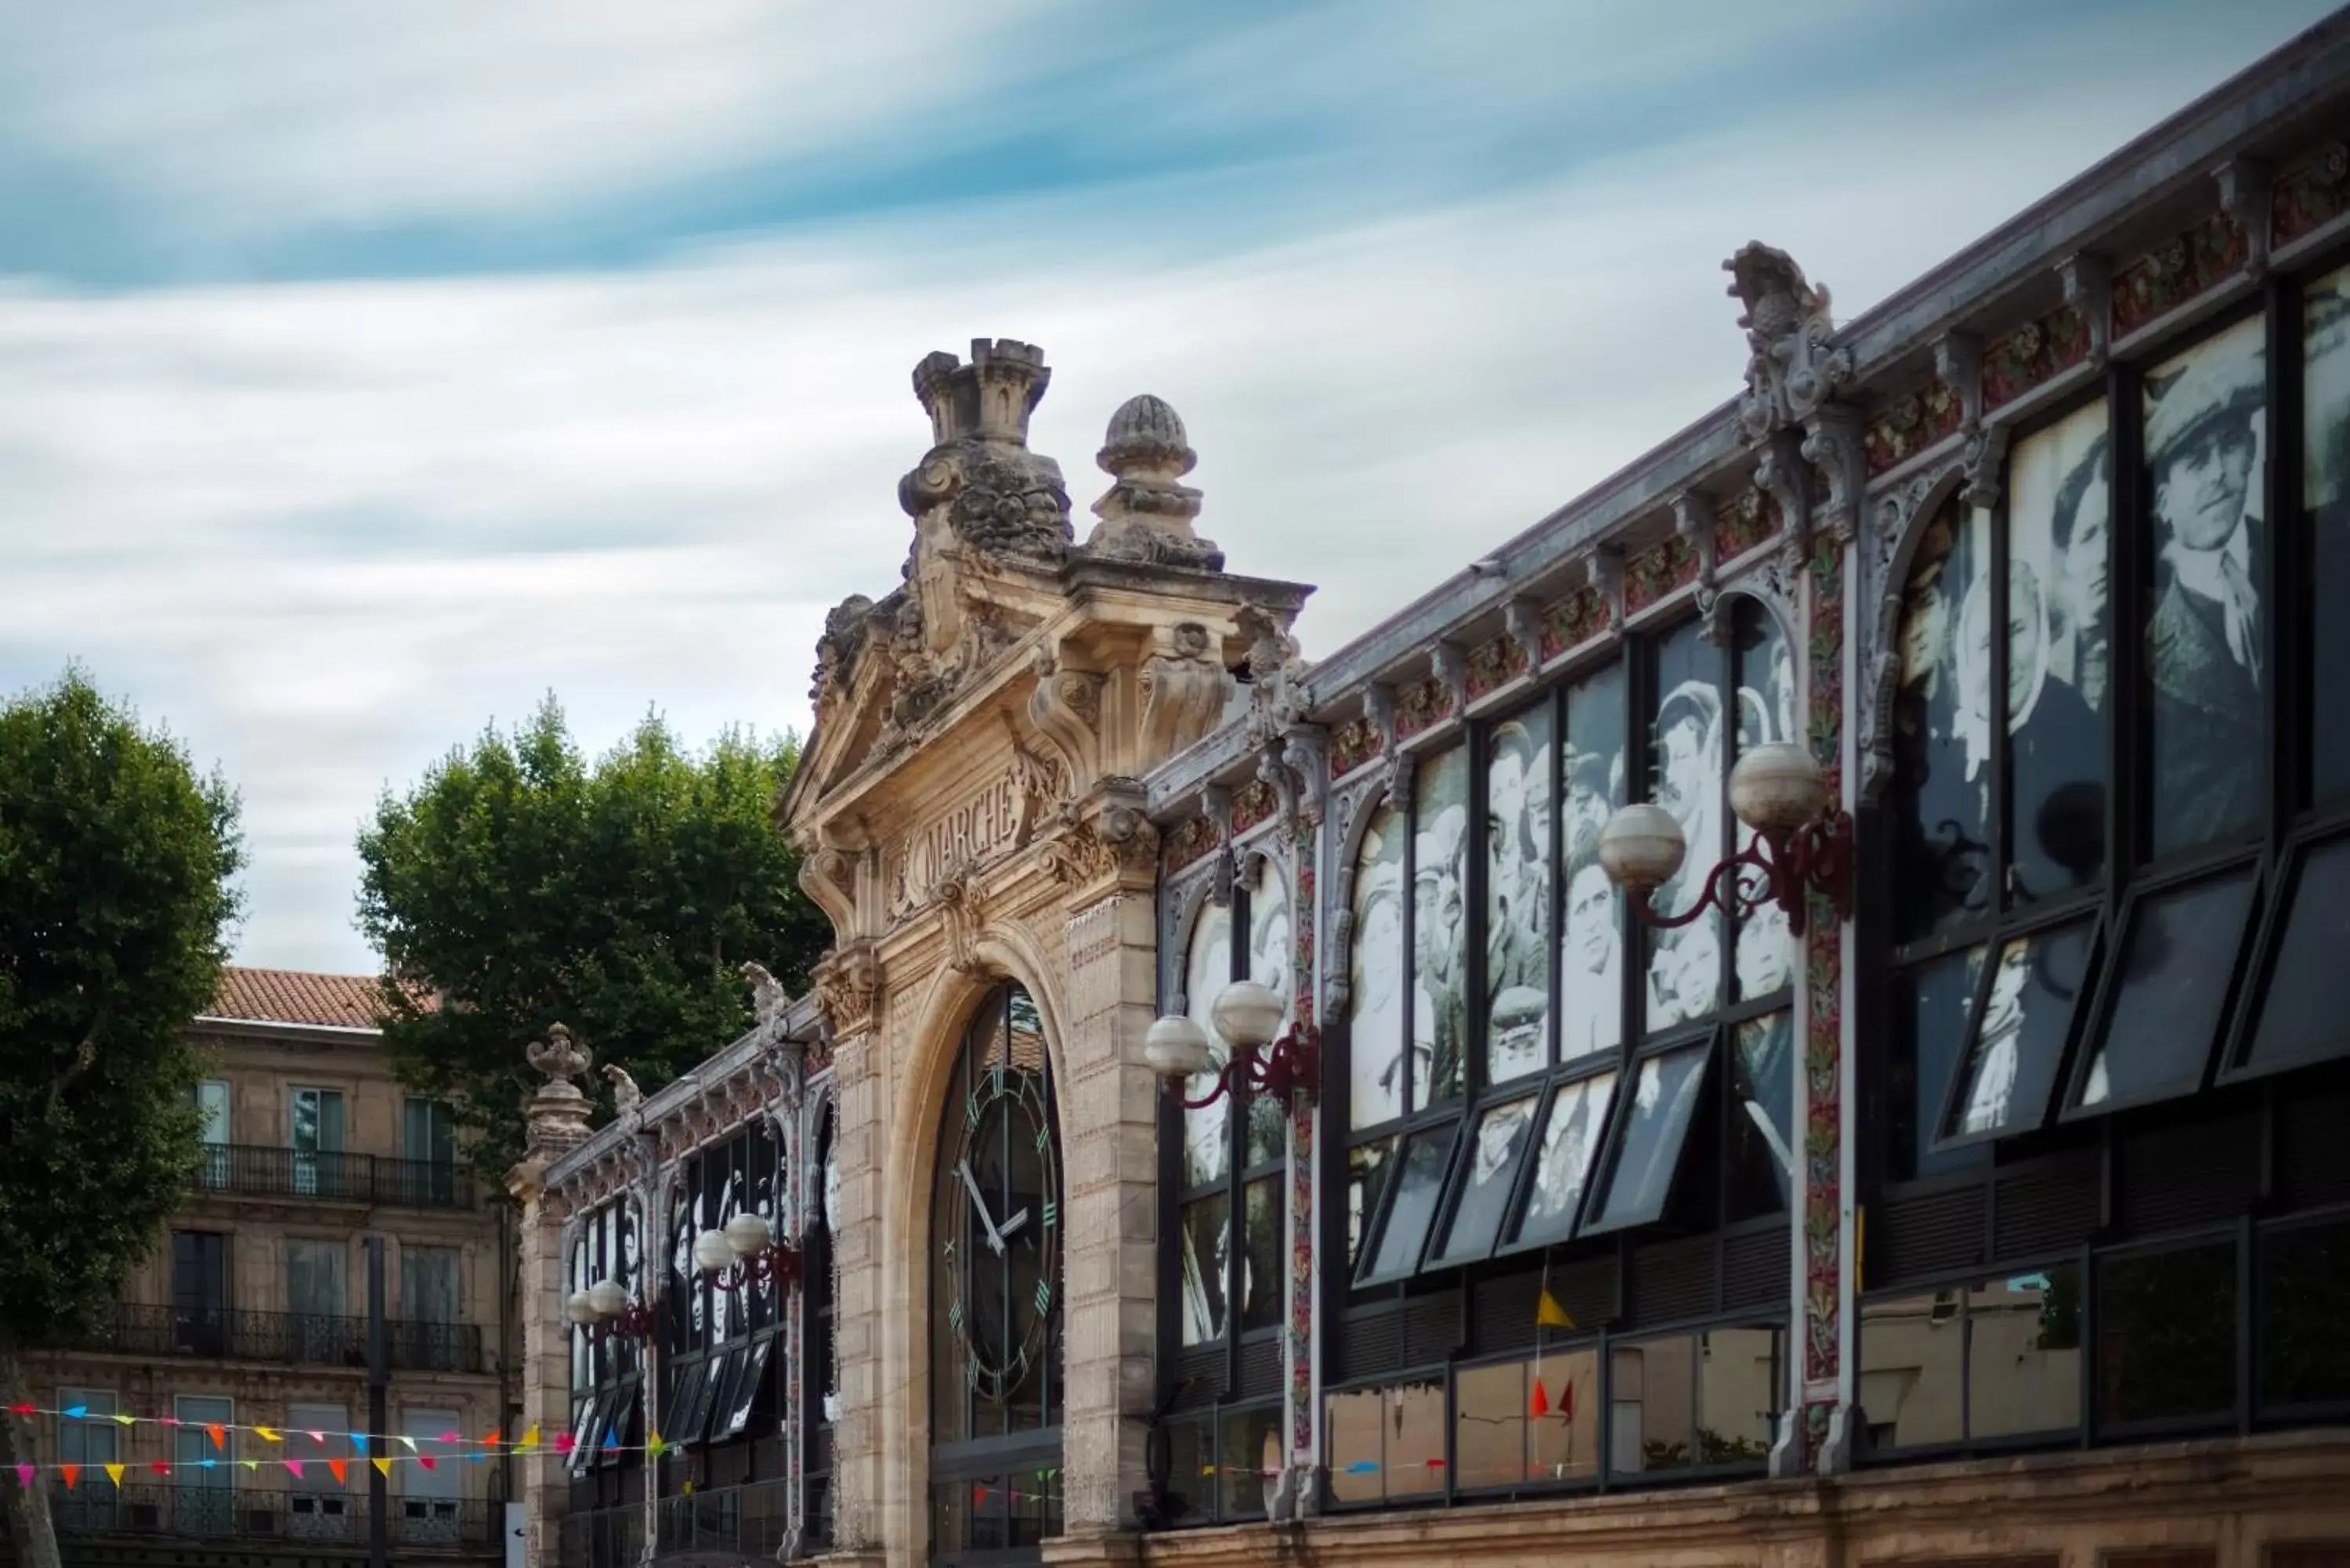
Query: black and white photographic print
2205,436
1500,1138
1764,958
1375,971
1762,1118
1941,740
1570,1137
2003,1086
1206,972
2059,652
1440,1011
2326,493
1591,941
1517,895
1686,749
1207,1240
1269,964
1664,1093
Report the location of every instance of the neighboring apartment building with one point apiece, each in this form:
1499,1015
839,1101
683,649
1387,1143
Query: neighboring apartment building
252,1310
1985,1203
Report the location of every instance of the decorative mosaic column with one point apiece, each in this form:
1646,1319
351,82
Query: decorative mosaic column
1299,1489
1824,1327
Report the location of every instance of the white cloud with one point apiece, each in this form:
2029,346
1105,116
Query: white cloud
327,531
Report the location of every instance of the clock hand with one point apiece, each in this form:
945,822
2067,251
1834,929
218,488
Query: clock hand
971,1185
1006,1229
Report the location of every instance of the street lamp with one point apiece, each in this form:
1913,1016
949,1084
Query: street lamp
606,1307
1800,846
746,1251
1247,1013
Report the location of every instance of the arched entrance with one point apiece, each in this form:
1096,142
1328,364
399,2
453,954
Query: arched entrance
995,1293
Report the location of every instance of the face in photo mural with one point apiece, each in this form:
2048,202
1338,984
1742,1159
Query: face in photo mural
1517,897
1684,980
1440,1025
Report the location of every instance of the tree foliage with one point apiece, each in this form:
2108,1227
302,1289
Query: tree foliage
115,903
115,864
517,886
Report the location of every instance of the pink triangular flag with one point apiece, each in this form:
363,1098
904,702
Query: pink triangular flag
294,1469
25,1474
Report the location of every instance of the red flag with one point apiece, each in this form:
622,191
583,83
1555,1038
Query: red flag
160,1468
218,1433
20,1409
428,1462
565,1443
72,1474
341,1468
1567,1401
1539,1405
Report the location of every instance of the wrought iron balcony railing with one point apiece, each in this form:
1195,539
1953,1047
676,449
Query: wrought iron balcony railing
258,1515
305,1339
603,1537
260,1172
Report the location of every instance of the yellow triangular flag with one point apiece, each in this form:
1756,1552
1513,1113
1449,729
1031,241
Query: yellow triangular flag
383,1464
267,1435
250,1464
114,1474
530,1438
1550,1314
123,1420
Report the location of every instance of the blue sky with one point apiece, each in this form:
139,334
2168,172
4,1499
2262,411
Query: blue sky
367,371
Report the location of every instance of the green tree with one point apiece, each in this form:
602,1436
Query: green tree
516,886
115,862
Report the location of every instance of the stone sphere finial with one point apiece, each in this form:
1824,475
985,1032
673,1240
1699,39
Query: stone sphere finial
1146,436
559,1058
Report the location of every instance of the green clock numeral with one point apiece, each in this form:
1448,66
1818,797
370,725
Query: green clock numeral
1044,1297
954,1317
972,1374
996,1078
1044,1136
971,1107
1052,1214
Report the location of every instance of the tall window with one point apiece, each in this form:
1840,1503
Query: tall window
203,1498
316,1136
1231,1209
819,1378
428,1141
212,1111
995,1295
2120,887
199,1292
1540,1093
722,1341
92,1444
607,1370
318,1283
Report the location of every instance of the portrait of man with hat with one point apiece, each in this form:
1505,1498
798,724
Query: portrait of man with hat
2325,490
2204,424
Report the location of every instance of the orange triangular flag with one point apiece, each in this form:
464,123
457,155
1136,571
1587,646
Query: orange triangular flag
340,1469
1539,1405
114,1474
72,1474
383,1465
492,1441
218,1433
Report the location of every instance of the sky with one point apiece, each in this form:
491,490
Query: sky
369,372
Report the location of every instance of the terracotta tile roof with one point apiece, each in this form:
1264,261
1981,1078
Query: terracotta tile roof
297,996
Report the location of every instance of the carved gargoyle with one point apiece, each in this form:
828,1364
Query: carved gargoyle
769,999
1791,368
626,1096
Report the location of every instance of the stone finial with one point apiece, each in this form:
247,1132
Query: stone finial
557,1114
1147,513
988,398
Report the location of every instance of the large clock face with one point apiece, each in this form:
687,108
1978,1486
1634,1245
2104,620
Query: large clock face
1004,1255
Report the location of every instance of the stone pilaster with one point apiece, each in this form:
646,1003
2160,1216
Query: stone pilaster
556,1117
859,1141
1108,1139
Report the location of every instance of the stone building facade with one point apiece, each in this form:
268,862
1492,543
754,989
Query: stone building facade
1981,1200
251,1311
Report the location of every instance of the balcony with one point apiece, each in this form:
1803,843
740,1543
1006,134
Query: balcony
233,1514
257,1170
299,1339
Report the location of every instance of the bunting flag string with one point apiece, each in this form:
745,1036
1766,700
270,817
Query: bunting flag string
494,1442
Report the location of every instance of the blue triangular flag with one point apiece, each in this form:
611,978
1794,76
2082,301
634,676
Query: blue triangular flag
611,1437
77,1411
359,1441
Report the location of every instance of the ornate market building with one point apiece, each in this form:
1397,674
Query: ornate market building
1681,1073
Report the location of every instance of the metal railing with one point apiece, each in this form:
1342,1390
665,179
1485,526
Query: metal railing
303,1339
239,1514
746,1521
258,1171
603,1537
